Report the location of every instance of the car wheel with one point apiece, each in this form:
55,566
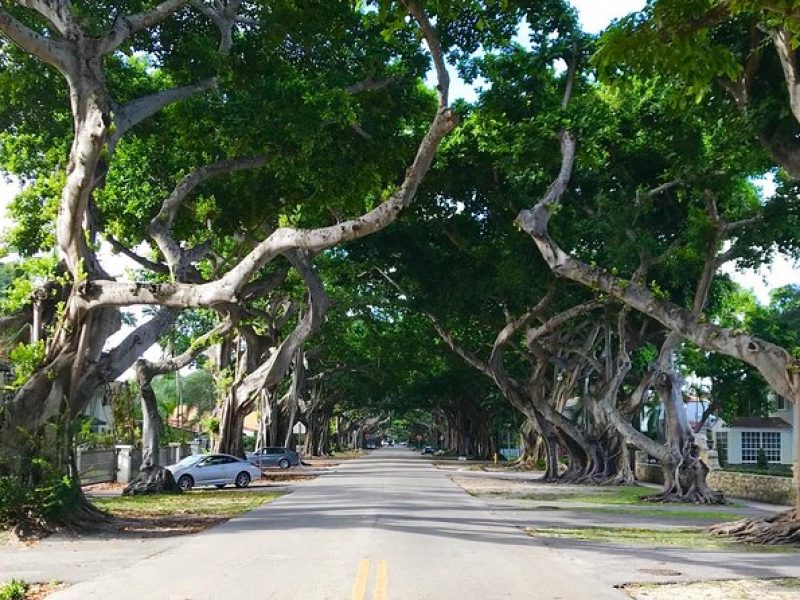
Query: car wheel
185,482
219,486
242,480
284,463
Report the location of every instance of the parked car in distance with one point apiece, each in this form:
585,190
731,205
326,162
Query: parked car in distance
427,450
274,457
219,470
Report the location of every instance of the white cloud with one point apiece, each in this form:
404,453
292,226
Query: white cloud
783,271
595,15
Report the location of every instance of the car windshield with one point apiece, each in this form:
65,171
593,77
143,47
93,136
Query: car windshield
189,460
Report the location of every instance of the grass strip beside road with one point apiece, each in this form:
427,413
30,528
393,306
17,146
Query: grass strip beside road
695,538
166,515
773,589
627,494
672,513
202,503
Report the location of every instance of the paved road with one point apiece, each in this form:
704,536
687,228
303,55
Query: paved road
387,526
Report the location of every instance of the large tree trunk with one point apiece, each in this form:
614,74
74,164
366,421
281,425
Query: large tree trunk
275,419
151,425
317,418
293,396
685,473
231,427
533,451
609,445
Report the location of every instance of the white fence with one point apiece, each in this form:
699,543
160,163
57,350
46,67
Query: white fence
121,463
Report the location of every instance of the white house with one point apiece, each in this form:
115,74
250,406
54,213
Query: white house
99,411
741,440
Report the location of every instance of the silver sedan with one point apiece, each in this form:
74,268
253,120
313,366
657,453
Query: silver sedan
213,469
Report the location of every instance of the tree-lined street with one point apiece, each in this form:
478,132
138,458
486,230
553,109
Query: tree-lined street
391,508
247,235
394,522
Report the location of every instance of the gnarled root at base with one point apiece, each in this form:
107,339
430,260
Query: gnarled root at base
152,480
782,529
692,496
84,516
592,478
78,515
685,482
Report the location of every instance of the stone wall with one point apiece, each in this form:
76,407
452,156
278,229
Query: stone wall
760,488
649,472
96,466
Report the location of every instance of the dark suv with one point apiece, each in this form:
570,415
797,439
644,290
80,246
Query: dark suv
274,457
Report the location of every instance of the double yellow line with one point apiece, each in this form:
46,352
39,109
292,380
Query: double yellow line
381,582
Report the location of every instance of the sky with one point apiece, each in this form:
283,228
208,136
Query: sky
595,15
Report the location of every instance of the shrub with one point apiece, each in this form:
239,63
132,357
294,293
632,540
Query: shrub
14,590
773,469
722,455
248,443
762,462
49,502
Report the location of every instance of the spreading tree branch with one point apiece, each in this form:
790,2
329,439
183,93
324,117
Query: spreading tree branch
134,112
160,228
99,293
275,367
49,50
126,25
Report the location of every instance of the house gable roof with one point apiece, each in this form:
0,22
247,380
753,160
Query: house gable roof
760,423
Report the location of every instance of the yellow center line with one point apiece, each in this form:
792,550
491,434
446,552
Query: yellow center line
382,582
360,587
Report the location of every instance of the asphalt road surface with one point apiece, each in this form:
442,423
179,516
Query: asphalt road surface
387,526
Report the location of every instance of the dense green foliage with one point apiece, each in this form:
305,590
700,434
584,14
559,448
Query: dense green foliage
47,502
331,95
15,589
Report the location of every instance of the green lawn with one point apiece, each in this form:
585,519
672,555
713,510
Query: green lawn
5,536
673,513
201,503
695,538
626,494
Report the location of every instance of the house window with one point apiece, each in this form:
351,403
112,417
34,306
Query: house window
781,403
752,441
771,443
6,393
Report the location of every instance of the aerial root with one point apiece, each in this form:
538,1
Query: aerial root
695,495
782,529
